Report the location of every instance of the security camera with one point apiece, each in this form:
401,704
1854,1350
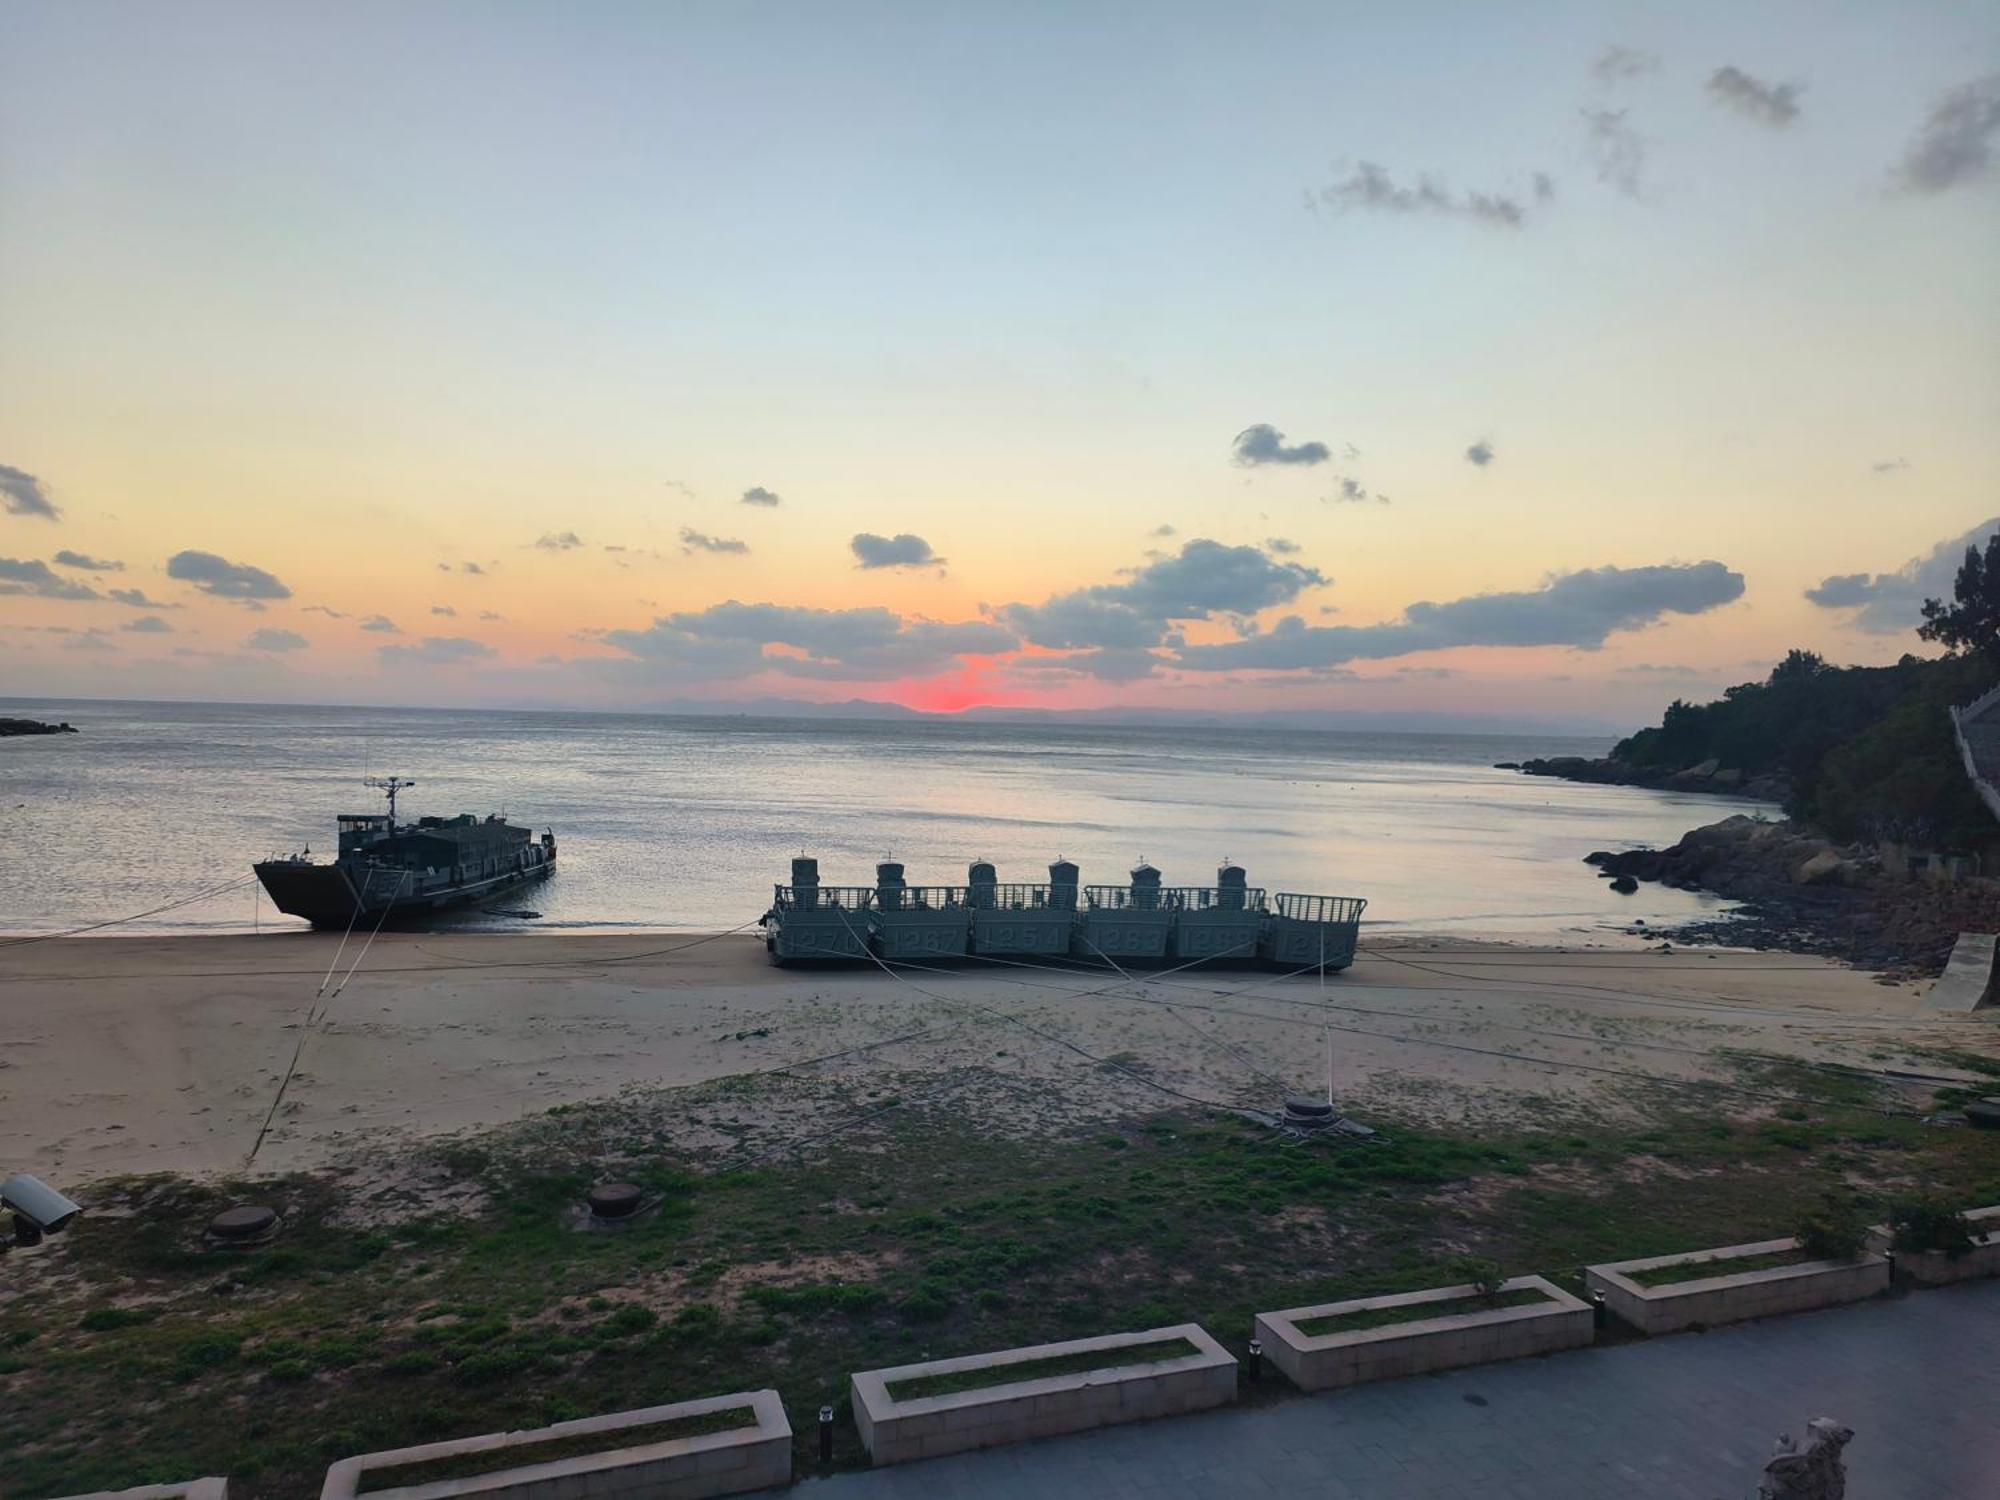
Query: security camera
37,1207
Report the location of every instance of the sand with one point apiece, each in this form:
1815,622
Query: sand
126,1054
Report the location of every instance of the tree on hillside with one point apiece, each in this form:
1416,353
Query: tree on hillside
1971,621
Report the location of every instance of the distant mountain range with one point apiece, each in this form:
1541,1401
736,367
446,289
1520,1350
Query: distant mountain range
1334,720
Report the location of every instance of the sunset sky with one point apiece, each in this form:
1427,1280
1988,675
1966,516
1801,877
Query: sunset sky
1553,359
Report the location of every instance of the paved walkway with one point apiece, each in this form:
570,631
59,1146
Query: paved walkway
1687,1417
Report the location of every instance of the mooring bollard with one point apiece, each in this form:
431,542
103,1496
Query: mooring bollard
1256,1361
826,1434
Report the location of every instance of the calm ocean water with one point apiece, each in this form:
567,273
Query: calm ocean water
685,823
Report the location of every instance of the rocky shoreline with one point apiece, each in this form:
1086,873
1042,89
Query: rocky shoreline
1804,894
1709,776
10,727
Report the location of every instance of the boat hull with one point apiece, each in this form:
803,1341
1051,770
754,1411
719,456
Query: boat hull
326,896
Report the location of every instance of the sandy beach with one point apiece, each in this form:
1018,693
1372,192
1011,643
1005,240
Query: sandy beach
124,1055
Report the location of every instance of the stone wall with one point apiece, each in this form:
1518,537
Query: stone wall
1723,1297
897,1431
194,1489
692,1468
1316,1362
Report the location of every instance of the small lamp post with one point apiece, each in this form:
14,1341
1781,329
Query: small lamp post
826,1435
1256,1361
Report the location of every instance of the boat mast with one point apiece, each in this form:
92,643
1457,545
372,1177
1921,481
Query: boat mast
390,785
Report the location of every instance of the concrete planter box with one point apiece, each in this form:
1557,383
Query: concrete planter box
194,1489
1722,1297
895,1431
1316,1362
716,1463
1929,1268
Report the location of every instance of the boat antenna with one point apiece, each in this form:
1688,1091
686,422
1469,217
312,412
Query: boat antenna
390,785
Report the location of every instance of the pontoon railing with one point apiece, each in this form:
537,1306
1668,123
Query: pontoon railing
1173,898
1333,909
1007,897
823,897
920,898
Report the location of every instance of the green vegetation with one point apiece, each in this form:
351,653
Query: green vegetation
918,1236
1735,1265
1930,1226
553,1450
1417,1312
919,1387
1869,751
1835,1229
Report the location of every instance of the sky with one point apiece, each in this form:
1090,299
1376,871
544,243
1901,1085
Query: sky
1552,358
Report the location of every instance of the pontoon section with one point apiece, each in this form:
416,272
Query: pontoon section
1223,922
918,921
1312,931
1125,921
1017,920
808,920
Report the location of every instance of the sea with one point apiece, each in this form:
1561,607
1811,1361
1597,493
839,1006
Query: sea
686,823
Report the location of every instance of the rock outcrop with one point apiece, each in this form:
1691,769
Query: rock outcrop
1707,776
32,726
1803,893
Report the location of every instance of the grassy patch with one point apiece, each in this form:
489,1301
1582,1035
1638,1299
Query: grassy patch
917,1237
553,1450
990,1377
1701,1270
1417,1312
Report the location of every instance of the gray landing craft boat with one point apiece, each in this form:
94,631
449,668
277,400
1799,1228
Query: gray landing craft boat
1144,922
388,871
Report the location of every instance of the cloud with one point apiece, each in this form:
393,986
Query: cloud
729,640
1480,453
89,640
701,541
1571,609
902,550
25,495
444,609
225,579
381,625
1351,491
758,495
491,614
1617,152
1370,187
1955,144
1890,466
29,575
1775,104
148,625
1891,603
271,639
1264,444
1162,530
1280,546
558,541
87,563
322,609
1205,579
435,650
1105,663
1616,64
137,599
